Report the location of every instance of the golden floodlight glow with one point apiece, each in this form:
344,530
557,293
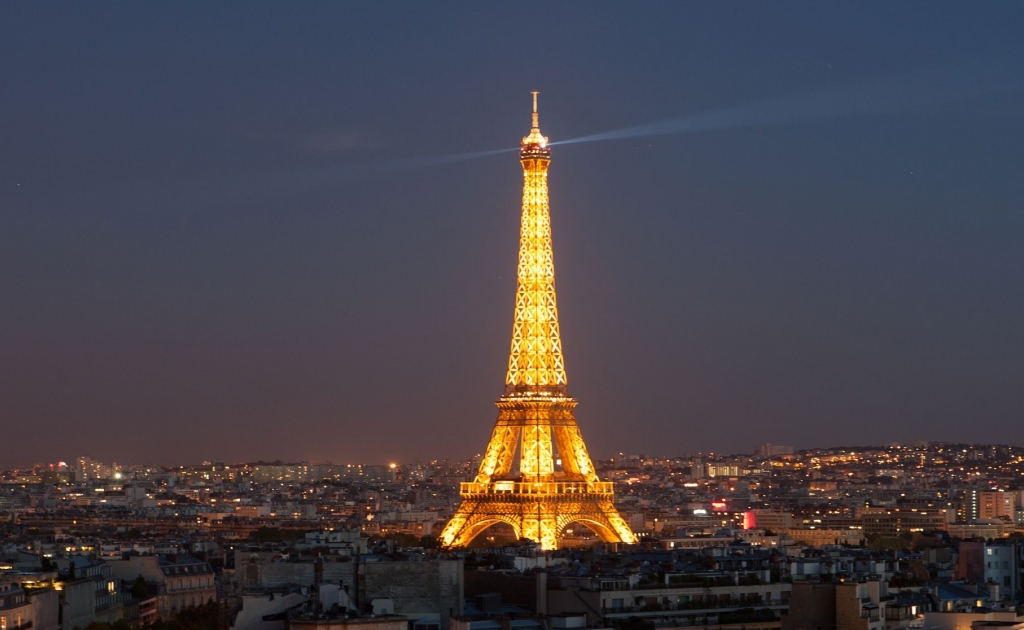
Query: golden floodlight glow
536,414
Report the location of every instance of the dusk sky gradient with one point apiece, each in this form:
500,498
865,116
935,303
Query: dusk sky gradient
248,231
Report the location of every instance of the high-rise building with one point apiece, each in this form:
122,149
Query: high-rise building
772,450
547,492
88,469
996,504
970,506
988,504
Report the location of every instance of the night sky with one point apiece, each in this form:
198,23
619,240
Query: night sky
226,233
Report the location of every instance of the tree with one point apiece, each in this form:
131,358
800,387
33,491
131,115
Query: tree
117,625
140,590
204,617
632,623
403,539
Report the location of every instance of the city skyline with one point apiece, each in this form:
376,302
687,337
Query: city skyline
290,235
473,460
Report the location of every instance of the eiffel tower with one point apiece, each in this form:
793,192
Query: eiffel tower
538,500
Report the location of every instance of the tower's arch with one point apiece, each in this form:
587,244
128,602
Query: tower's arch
600,527
473,529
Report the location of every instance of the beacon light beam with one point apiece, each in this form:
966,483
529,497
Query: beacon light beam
355,173
778,111
890,95
878,96
260,186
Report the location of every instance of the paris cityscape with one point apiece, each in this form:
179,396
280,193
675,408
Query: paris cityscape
922,531
263,261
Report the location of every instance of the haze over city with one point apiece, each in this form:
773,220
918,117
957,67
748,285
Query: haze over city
290,233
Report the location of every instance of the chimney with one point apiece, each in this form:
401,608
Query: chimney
993,591
542,592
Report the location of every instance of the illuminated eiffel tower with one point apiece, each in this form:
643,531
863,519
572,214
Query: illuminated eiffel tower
538,500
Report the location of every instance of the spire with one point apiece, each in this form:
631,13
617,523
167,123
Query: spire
536,117
535,145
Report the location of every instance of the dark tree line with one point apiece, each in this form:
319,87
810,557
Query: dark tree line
204,617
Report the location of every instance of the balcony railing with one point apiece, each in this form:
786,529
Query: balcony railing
726,618
695,607
541,487
690,584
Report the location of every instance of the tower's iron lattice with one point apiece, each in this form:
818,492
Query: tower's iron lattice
535,413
